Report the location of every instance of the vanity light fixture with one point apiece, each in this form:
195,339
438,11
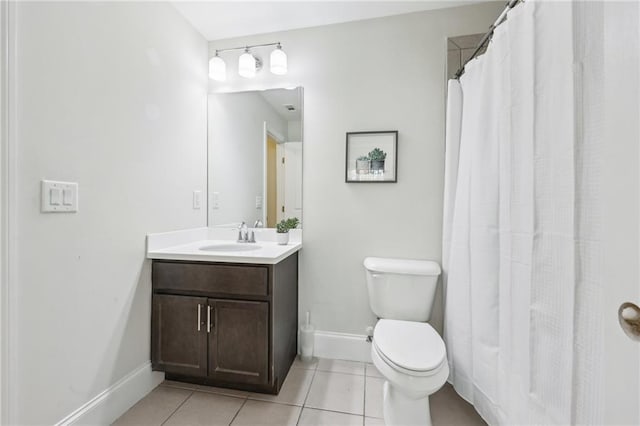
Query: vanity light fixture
248,63
217,68
278,61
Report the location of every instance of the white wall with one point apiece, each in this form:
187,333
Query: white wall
112,96
381,74
295,131
4,228
236,154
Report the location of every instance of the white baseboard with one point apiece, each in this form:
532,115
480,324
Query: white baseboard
351,347
114,401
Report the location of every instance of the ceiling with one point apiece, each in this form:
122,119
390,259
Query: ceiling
218,20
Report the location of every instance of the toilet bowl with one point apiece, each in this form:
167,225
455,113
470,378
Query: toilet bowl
407,351
411,357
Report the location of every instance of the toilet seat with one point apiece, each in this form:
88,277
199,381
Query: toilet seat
412,348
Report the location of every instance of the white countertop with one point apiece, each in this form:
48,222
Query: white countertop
187,244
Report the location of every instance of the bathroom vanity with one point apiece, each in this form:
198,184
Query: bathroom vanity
225,319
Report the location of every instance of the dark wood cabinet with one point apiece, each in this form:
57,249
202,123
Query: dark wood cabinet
239,341
225,324
179,344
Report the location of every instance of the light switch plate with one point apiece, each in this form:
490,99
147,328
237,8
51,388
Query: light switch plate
58,197
216,201
197,199
258,201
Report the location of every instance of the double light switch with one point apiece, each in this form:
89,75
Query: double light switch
59,197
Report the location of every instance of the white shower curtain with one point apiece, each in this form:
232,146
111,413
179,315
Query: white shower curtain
521,236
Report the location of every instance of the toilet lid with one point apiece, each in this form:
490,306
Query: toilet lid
411,345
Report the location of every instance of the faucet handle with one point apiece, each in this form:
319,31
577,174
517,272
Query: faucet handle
258,224
253,237
243,233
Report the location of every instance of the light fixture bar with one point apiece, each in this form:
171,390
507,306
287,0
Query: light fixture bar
251,46
248,63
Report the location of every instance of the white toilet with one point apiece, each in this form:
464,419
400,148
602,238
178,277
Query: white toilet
407,351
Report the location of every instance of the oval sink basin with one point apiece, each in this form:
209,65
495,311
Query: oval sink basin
231,247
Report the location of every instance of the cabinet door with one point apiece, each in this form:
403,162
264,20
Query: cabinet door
179,334
239,341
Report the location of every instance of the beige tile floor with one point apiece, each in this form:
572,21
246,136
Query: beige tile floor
324,392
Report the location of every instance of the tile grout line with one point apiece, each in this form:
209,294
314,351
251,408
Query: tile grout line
337,411
177,408
208,392
304,401
172,386
288,404
340,412
364,399
326,409
364,368
204,391
342,372
238,412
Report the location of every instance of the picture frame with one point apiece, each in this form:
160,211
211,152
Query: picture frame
372,157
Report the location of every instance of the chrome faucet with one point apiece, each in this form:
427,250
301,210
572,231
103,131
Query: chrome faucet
243,234
258,224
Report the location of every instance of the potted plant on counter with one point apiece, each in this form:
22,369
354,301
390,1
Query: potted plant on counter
283,227
377,157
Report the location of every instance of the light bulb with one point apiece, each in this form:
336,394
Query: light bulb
217,68
278,61
247,65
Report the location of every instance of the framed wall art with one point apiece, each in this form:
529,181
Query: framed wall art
372,157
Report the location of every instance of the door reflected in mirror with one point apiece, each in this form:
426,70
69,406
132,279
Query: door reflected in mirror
255,157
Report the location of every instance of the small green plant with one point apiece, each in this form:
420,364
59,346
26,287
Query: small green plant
285,224
377,155
363,158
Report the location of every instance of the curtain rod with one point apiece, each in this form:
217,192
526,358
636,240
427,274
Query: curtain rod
487,36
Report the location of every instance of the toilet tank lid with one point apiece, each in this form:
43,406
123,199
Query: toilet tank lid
402,266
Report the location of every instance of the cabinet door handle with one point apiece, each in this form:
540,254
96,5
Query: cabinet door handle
208,319
199,308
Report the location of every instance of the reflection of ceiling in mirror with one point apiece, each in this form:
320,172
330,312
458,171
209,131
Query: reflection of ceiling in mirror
278,98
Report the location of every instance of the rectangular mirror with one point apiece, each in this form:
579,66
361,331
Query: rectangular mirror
255,157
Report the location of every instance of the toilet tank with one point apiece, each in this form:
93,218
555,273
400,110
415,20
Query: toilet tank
401,289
